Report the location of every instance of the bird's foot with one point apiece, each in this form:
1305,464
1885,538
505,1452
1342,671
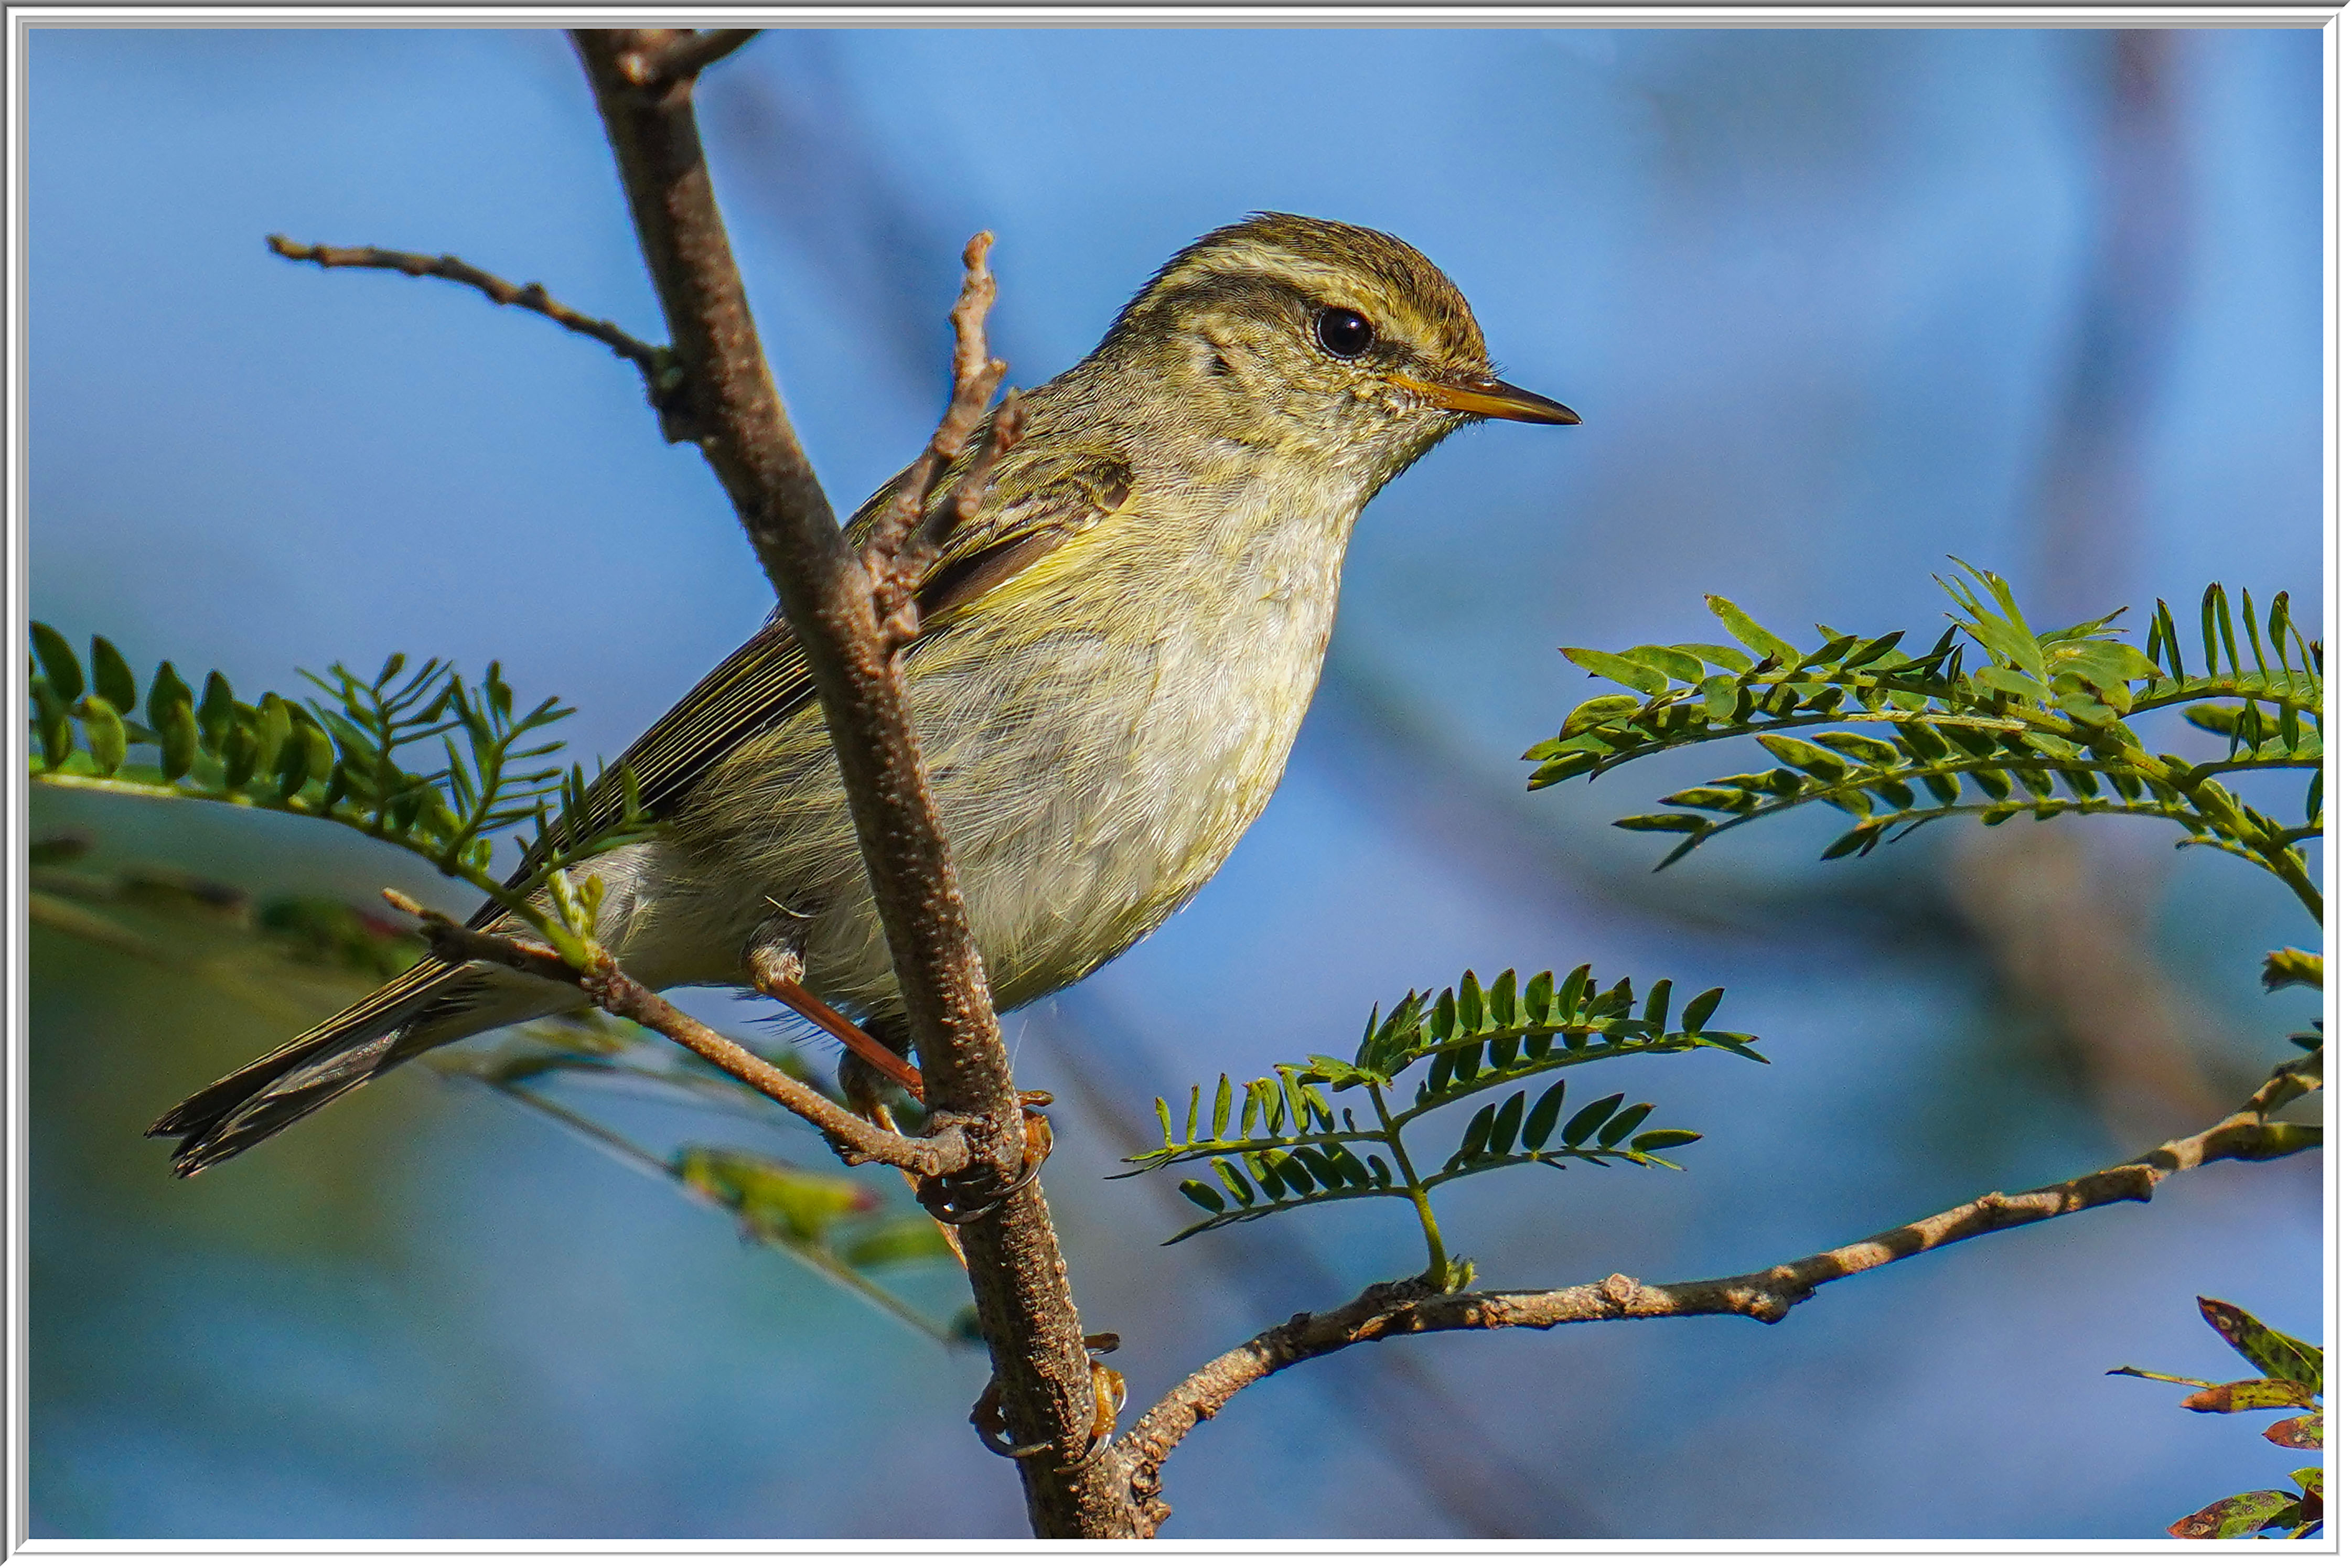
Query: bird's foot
1110,1398
995,1432
880,1114
978,1190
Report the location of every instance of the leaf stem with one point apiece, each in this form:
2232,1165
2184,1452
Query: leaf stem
1555,1061
517,901
2226,814
1440,1267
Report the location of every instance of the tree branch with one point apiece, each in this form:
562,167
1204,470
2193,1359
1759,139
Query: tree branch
652,364
1411,1307
680,59
1019,1284
859,1139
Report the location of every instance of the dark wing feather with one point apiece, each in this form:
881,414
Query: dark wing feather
766,681
1064,494
758,686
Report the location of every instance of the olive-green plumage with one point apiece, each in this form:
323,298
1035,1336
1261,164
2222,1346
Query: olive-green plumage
1115,655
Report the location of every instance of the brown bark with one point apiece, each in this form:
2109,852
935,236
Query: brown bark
734,414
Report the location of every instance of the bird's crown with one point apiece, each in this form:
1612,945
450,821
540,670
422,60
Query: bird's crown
1334,264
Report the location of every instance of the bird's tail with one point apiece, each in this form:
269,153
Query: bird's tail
266,1096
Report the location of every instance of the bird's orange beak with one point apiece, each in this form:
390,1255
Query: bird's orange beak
1490,399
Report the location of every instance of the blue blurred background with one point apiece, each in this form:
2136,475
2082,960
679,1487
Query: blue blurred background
1833,304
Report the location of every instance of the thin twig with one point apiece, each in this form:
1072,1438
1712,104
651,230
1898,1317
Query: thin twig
940,1154
896,554
958,506
1412,1306
644,1160
532,296
859,1139
461,943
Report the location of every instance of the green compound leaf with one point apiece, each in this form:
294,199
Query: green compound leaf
1504,1130
1479,1041
2038,724
171,715
53,721
348,759
2292,1379
894,1242
1474,1137
1235,1182
214,712
1747,634
58,666
1542,1117
101,728
774,1200
1625,671
1615,1131
1587,1121
1665,822
1677,664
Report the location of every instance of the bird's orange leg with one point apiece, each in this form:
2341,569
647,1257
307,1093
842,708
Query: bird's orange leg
776,971
778,977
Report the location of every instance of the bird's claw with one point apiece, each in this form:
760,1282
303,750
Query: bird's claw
988,1420
975,1192
1110,1398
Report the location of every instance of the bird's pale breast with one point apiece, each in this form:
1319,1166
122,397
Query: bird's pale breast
1093,766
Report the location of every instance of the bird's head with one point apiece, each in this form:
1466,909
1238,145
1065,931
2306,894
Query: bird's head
1334,342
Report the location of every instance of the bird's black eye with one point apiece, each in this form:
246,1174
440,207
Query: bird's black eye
1342,331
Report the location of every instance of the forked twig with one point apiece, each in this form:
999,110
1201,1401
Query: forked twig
1019,1279
906,540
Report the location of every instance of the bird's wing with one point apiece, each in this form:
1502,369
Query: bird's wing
1062,495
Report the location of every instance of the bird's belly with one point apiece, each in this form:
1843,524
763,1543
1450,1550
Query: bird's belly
1095,755
1090,776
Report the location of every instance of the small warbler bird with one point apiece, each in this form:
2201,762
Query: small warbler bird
1114,658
